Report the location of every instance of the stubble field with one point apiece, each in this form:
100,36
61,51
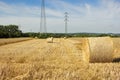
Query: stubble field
61,60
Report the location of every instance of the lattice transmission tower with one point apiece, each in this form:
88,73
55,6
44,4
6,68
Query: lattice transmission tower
66,22
43,27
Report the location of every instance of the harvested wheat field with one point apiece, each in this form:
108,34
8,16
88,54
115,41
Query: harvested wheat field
63,59
12,40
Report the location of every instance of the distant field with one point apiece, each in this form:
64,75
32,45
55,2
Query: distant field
4,41
61,60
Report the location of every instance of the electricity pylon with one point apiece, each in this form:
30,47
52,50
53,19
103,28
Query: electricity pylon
66,20
43,28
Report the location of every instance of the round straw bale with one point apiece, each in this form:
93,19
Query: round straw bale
85,50
101,49
65,37
50,40
82,44
116,42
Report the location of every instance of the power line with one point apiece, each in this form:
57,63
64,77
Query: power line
43,28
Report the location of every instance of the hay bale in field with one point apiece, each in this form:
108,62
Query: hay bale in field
85,50
116,42
65,37
36,37
50,40
83,46
101,49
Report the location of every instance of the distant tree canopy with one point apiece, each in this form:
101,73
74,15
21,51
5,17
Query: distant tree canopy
47,35
9,31
59,35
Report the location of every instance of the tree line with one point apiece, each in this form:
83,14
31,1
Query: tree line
61,35
12,31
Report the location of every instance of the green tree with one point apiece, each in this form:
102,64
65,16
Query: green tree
10,31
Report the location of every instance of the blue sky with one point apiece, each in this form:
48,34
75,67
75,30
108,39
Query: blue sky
84,15
27,2
38,2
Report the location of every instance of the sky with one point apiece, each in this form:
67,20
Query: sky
94,16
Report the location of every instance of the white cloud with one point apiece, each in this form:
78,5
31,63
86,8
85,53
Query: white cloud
82,17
